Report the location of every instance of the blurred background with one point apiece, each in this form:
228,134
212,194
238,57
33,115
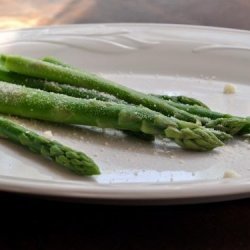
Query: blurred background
32,13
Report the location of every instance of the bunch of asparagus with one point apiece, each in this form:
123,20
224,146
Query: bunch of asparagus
53,91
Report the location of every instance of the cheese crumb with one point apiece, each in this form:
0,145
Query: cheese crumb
229,89
231,174
48,133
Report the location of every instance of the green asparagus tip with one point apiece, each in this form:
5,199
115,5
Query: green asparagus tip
75,161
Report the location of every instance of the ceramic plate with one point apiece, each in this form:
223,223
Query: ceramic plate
153,58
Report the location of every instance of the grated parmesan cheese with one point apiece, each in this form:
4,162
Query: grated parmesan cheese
231,174
229,89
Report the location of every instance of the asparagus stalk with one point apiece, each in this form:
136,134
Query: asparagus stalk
38,104
224,122
200,111
220,124
55,87
60,74
183,100
65,89
74,161
63,74
71,90
232,125
55,61
74,92
220,121
178,99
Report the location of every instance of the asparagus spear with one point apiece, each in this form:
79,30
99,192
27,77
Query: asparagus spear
178,99
69,90
55,61
224,122
60,74
74,91
183,100
75,161
226,125
49,86
38,104
65,89
93,94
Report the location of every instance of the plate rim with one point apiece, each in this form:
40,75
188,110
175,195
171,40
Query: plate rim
172,25
138,193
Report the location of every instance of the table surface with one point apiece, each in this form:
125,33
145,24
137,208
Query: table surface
29,13
38,223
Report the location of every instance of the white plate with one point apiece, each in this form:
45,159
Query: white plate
173,59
